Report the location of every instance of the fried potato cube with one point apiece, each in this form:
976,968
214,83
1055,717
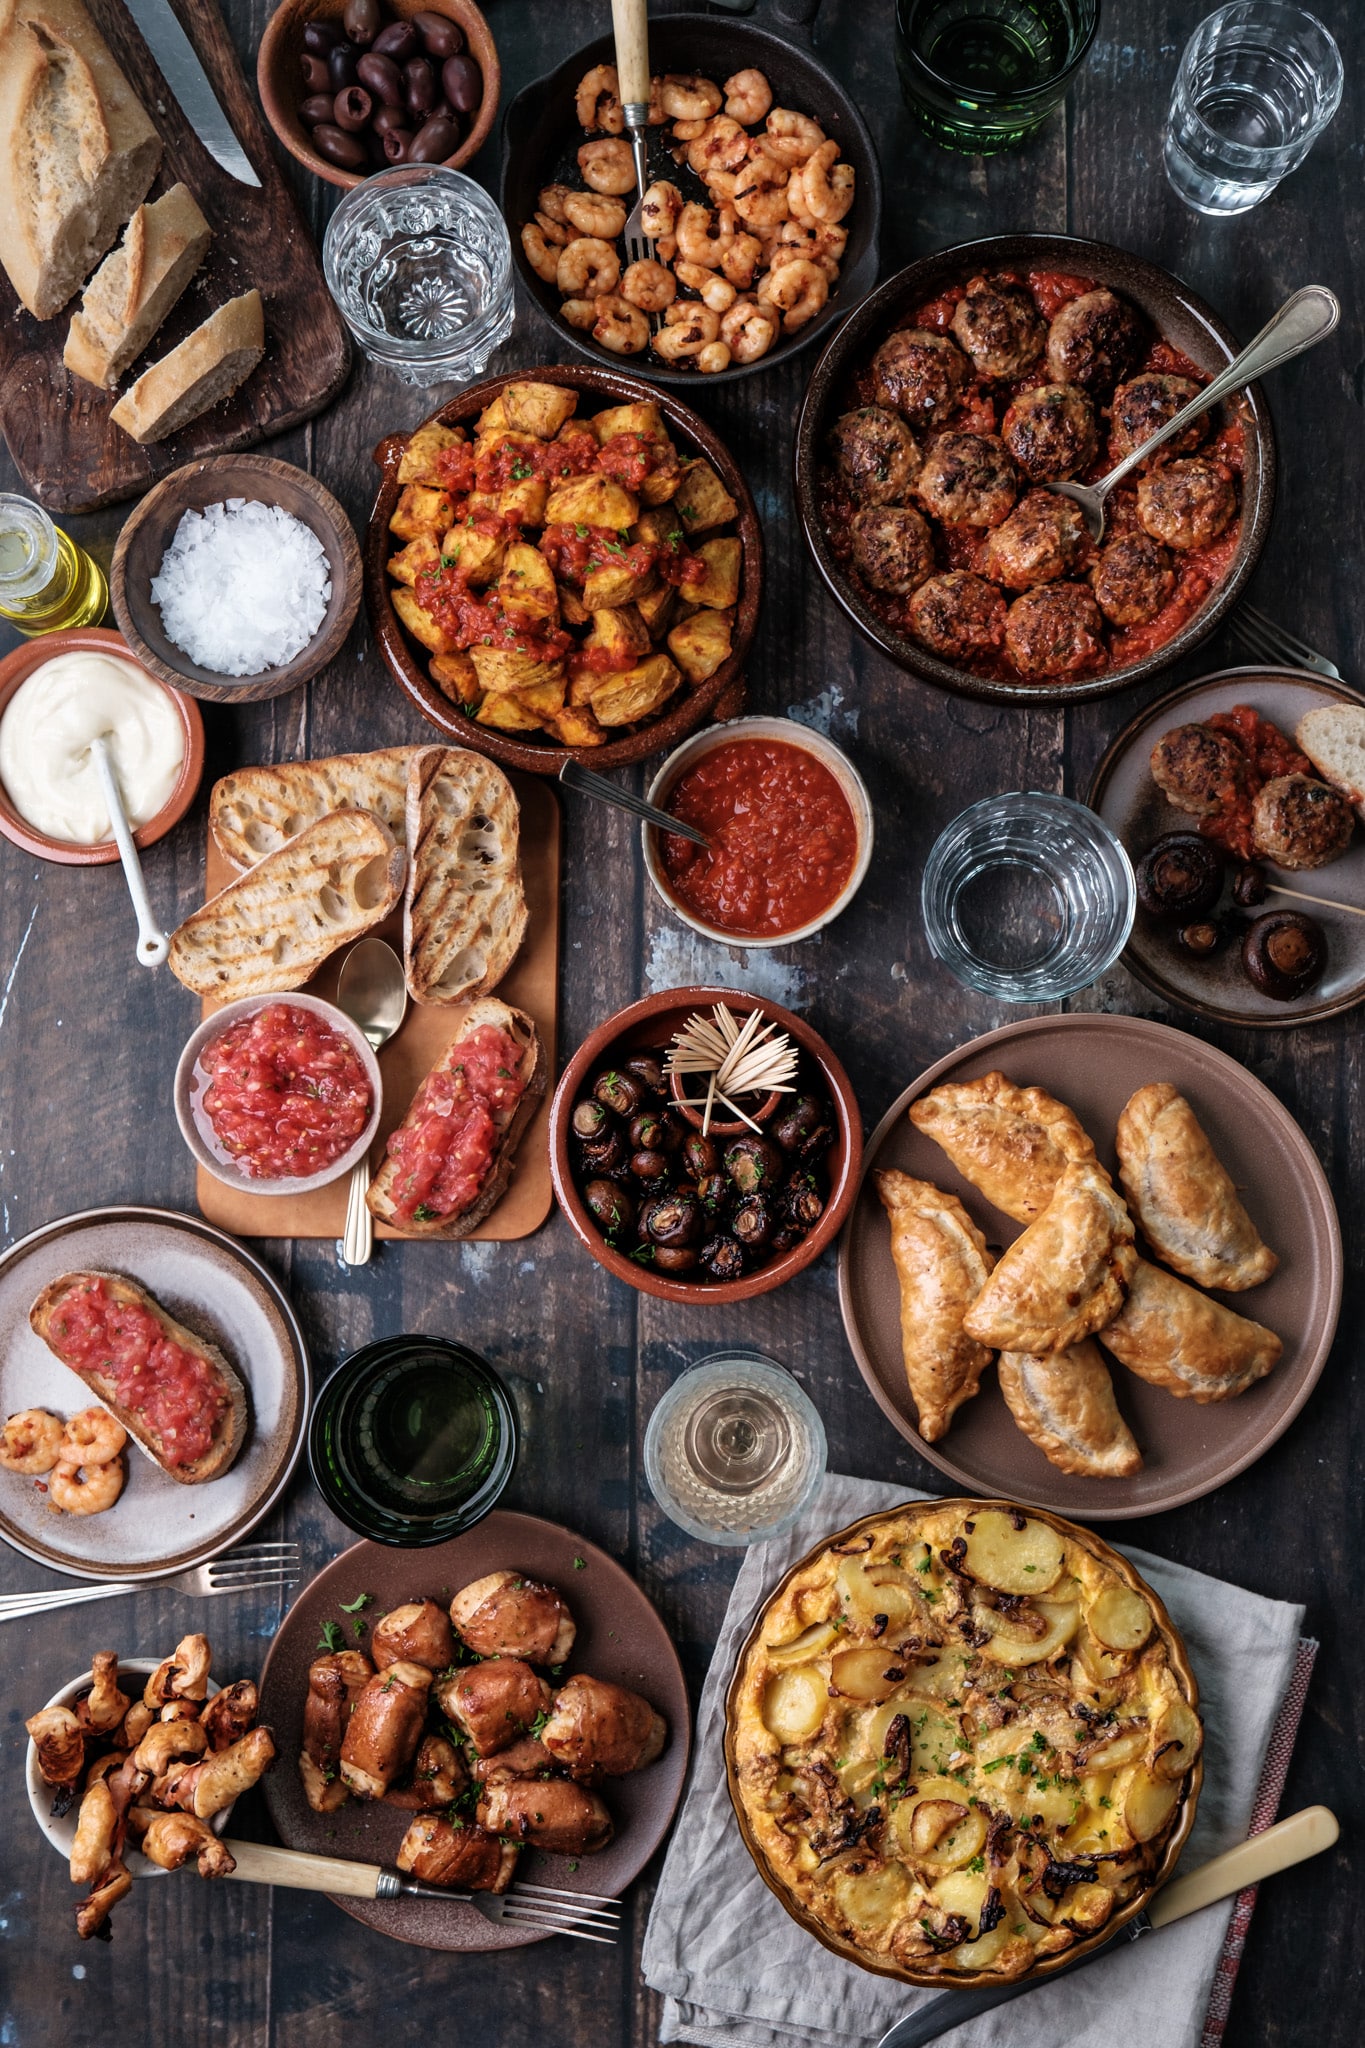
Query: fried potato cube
421,557
545,699
456,677
493,419
501,669
527,583
701,500
657,608
524,500
613,584
571,430
423,446
621,633
477,555
507,712
577,727
660,526
572,609
421,508
421,625
592,501
583,683
719,589
660,485
638,693
642,418
539,409
700,644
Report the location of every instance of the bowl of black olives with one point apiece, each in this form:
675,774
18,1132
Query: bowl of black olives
701,1215
355,86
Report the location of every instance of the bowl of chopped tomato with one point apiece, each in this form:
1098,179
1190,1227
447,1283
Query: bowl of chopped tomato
279,1094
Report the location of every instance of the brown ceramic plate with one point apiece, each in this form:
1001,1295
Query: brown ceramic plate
1137,812
1094,1063
1050,1966
207,1282
620,1637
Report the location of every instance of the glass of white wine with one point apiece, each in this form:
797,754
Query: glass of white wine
735,1449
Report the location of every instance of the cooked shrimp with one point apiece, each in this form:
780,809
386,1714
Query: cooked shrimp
688,98
721,185
588,268
598,100
590,213
798,289
620,326
761,192
741,260
608,166
828,184
92,1438
817,240
689,328
715,356
554,231
721,146
713,290
688,131
550,199
30,1441
748,330
748,97
659,209
86,1490
578,312
666,248
703,236
791,137
650,286
657,116
542,256
798,206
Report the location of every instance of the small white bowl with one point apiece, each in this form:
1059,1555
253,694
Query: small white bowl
791,734
187,1087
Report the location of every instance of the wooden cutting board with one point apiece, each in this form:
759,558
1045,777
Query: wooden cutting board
69,454
532,985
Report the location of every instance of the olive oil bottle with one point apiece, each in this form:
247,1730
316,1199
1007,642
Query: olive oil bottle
47,583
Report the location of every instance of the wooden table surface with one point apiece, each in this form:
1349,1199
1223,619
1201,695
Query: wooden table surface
89,1042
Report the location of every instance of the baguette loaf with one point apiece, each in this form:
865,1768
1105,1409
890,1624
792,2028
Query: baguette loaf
77,151
253,811
1333,737
275,925
221,1400
464,912
510,1125
135,287
208,366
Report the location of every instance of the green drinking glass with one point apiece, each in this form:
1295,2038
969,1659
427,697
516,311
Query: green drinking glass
982,75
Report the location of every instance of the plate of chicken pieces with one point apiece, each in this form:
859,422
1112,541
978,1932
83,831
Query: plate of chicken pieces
506,1705
1093,1264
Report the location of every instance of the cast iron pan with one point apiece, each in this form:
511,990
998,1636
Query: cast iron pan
541,136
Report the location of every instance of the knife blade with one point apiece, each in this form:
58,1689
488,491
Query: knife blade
185,75
1290,1841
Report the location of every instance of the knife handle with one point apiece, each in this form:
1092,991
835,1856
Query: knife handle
260,1863
1290,1841
631,26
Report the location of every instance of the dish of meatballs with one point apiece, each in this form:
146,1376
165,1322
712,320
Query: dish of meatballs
931,493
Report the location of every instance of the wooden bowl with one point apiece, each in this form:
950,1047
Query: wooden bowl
646,1026
1175,1841
281,88
147,534
537,754
18,665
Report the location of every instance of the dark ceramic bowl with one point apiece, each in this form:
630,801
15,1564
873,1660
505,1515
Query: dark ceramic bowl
541,135
645,1027
1178,316
538,753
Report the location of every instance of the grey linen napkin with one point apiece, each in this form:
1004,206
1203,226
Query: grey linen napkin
737,1972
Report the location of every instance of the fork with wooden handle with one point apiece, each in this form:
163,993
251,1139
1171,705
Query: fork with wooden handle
630,24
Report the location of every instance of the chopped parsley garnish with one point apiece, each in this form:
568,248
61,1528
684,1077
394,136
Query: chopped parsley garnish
977,1865
1105,1800
580,1564
1039,1739
999,1763
354,1606
520,472
331,1637
423,1213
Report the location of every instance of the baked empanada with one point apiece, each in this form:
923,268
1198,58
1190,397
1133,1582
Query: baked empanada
1011,1143
1064,1402
1179,1339
1183,1196
1065,1277
942,1264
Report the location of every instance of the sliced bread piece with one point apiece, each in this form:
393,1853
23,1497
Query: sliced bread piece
438,1102
135,287
464,913
275,925
1333,737
208,366
253,811
77,150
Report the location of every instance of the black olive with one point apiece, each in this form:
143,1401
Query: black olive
605,1154
1284,954
619,1092
648,1071
363,20
1200,939
338,147
714,1191
353,108
610,1207
802,1203
1180,875
590,1120
796,1123
397,142
314,73
754,1164
381,78
723,1258
387,118
419,88
463,83
441,37
341,65
399,40
752,1223
675,1258
316,108
649,1166
1249,886
321,36
672,1219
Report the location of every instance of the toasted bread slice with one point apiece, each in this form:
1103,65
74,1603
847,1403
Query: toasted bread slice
275,925
253,811
464,914
383,1189
230,1428
1333,737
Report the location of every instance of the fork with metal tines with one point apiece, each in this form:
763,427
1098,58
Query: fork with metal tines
1266,640
253,1568
631,26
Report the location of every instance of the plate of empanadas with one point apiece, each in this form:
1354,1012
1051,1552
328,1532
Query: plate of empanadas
1093,1263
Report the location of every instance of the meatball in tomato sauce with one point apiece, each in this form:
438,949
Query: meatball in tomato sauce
1144,404
1055,630
1040,542
876,454
1133,579
893,549
1186,504
998,326
959,616
968,480
1096,340
1298,822
1050,431
920,375
1199,768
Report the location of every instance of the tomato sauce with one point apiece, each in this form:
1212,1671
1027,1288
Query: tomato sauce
171,1390
445,1146
1268,754
784,840
287,1093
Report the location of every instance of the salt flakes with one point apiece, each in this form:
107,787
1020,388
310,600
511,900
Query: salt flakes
242,587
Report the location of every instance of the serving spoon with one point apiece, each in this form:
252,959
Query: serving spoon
587,782
152,943
1302,321
373,994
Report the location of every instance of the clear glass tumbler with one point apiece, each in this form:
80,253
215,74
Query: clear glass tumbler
1028,897
1257,84
734,1449
420,265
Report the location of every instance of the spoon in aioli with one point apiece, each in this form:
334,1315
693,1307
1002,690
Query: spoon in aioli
373,994
152,943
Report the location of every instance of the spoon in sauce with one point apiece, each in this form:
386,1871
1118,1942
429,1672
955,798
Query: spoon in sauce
152,943
373,994
1302,321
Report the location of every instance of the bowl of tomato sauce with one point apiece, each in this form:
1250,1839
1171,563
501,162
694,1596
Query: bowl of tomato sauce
278,1093
790,825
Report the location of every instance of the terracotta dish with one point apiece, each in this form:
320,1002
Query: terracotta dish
1093,1063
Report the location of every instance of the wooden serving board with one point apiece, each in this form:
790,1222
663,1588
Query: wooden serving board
531,985
69,454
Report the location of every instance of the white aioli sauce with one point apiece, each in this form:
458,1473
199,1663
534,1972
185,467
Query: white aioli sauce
45,735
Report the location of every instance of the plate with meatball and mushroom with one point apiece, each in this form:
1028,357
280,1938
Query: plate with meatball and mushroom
506,1704
948,403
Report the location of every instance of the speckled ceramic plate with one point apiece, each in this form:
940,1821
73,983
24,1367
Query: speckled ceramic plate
620,1637
206,1281
1094,1063
1137,812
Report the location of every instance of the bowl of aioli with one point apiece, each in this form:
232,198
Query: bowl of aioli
790,824
58,692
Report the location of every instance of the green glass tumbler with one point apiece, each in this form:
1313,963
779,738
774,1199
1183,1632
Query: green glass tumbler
983,75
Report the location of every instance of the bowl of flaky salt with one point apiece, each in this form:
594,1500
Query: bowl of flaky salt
236,578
